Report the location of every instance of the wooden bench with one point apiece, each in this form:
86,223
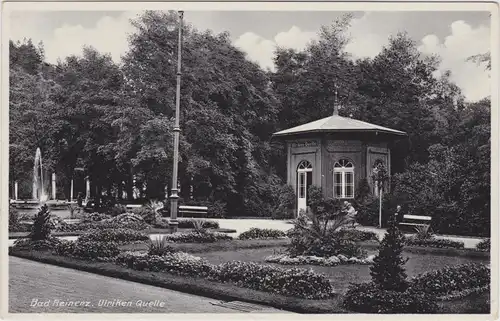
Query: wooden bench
415,220
132,206
193,211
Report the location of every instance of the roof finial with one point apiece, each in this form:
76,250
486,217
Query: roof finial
335,102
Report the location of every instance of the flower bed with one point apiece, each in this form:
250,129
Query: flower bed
104,224
196,237
90,250
368,298
452,279
439,243
316,260
259,233
114,235
289,282
357,235
188,223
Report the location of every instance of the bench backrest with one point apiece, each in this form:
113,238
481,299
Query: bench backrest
417,217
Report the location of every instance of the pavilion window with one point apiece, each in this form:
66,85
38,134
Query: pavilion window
343,179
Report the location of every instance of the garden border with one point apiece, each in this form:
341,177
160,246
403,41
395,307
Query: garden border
216,290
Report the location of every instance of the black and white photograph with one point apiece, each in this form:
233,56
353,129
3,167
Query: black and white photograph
235,158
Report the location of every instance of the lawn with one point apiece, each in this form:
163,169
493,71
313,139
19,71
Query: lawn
342,275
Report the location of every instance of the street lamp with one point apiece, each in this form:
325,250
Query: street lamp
174,197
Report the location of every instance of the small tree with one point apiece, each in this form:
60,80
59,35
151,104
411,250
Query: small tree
388,270
42,226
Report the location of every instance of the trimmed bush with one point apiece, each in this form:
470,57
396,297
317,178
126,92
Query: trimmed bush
195,237
90,250
369,298
114,235
261,233
104,224
439,243
484,245
289,282
450,279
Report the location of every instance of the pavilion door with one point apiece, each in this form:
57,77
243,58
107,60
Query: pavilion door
304,181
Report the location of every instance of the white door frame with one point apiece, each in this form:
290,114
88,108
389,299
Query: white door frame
302,188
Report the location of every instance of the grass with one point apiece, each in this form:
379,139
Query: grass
341,275
196,286
233,246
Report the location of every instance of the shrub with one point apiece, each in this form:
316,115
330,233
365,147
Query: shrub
356,235
95,250
290,282
114,235
188,223
285,208
147,214
369,298
195,237
484,245
42,226
137,225
450,279
13,217
320,239
116,210
423,232
175,263
65,248
316,260
94,217
159,246
439,243
258,233
388,270
36,245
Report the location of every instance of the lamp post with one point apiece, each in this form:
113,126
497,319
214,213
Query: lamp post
174,196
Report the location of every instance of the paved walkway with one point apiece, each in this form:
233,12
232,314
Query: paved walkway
40,288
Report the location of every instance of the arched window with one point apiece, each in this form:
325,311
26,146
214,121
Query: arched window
304,166
343,179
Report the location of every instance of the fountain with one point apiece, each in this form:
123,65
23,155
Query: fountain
38,191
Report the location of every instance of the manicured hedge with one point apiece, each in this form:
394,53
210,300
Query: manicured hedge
114,235
368,298
439,243
261,233
451,279
104,224
195,237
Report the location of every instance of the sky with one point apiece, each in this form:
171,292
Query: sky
454,35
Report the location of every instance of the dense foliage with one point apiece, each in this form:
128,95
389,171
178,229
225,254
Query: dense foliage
115,122
388,271
197,237
439,243
91,250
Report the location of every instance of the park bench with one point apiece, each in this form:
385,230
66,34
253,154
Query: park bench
415,220
132,206
193,211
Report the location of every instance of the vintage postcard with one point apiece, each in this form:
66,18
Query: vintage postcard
252,159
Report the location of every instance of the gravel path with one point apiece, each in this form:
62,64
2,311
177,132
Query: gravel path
41,288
